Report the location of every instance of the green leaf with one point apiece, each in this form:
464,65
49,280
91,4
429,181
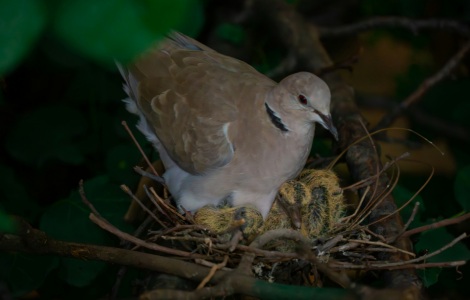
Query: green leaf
21,22
47,133
68,220
7,223
116,29
120,163
193,21
438,238
14,199
231,33
462,187
25,272
429,276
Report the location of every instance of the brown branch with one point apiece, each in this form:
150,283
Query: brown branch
380,244
330,244
412,217
445,71
123,269
437,124
149,175
81,190
437,225
140,149
343,64
237,237
128,191
402,263
408,266
365,182
395,22
125,236
212,272
340,278
290,29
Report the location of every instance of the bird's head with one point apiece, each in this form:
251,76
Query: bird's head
307,98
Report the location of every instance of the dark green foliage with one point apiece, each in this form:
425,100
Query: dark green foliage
462,188
25,272
403,195
68,220
64,122
231,33
429,276
21,22
104,30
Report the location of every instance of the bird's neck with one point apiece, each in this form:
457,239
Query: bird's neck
286,122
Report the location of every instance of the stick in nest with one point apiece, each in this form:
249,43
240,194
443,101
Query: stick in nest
212,272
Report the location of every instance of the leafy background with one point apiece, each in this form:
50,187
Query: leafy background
60,119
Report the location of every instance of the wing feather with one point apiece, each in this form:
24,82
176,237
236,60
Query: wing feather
191,96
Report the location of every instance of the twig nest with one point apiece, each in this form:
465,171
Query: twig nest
315,192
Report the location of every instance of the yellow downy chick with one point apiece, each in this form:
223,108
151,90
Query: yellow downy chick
315,193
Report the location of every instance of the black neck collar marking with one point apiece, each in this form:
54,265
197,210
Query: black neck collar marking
275,118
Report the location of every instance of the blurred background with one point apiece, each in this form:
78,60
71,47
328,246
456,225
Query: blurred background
61,114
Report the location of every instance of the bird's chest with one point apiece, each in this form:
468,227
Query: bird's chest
277,158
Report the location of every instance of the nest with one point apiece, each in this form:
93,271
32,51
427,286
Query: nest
315,192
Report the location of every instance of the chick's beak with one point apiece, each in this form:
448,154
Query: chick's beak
327,122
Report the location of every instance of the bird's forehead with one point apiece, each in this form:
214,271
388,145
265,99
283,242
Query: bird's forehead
306,83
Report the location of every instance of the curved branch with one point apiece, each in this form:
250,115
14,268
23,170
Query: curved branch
395,22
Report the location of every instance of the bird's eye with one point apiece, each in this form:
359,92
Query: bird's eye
303,99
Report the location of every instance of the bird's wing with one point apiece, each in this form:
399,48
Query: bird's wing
191,95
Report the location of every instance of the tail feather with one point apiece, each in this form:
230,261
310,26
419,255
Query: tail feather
182,41
130,87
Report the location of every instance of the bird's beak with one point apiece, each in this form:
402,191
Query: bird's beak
293,211
295,216
327,122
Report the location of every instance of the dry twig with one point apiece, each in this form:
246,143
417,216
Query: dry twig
395,22
212,272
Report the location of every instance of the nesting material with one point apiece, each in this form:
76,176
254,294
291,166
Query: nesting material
315,192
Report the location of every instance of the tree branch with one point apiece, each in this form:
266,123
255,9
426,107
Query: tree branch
395,22
388,119
290,28
36,242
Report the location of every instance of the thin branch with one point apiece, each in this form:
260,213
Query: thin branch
149,175
408,266
209,264
237,237
166,205
340,278
445,71
437,225
125,236
406,262
412,217
128,191
359,184
155,203
212,272
81,190
395,22
140,149
343,64
123,269
380,244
